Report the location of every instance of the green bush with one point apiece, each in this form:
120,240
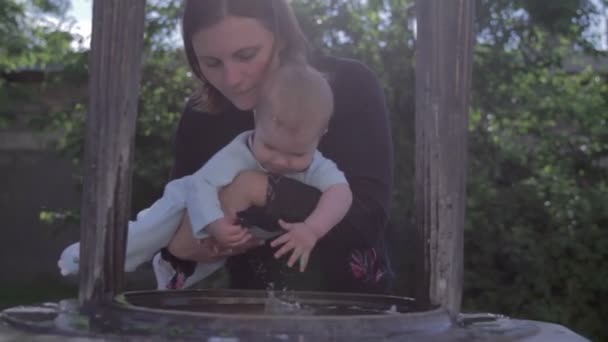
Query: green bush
536,240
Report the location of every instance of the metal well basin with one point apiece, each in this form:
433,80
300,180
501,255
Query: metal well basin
234,312
234,316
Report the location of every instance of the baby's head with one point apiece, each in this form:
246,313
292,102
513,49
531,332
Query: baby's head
292,115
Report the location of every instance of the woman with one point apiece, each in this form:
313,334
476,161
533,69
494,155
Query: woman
231,45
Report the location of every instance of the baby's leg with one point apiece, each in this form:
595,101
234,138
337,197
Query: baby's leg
184,246
151,231
175,268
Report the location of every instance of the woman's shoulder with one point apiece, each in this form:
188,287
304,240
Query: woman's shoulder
196,113
345,69
195,110
348,75
204,126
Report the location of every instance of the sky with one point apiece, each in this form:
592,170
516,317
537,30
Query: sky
82,9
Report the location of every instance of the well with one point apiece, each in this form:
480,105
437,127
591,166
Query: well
233,316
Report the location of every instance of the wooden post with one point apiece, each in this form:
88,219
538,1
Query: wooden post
114,75
444,48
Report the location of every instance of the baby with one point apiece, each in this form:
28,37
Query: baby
293,114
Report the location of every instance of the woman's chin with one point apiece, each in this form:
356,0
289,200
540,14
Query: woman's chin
244,103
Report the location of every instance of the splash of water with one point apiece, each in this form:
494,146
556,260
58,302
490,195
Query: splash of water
280,306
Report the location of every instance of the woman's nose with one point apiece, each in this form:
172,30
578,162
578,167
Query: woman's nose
232,76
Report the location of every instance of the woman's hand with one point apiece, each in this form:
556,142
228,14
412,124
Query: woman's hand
228,233
185,246
223,252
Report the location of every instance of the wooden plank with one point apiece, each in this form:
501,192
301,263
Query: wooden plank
444,48
114,66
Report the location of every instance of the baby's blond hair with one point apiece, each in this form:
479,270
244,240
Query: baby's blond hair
296,97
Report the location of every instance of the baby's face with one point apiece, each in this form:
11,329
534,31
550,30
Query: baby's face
279,151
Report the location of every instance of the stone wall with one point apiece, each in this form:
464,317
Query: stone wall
31,181
35,177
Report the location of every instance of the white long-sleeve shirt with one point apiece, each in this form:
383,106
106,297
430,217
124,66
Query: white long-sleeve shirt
203,201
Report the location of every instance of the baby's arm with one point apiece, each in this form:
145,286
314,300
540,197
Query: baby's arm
336,197
204,209
331,209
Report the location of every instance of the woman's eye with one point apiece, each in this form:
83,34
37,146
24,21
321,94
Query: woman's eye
211,62
245,55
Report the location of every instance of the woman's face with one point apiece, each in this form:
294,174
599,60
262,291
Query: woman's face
233,55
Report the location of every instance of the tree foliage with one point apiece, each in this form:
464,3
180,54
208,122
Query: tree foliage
34,33
34,36
538,205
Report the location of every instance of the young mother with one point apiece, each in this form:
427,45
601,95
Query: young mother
231,45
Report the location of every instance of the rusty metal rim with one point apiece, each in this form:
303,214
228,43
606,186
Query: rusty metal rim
440,314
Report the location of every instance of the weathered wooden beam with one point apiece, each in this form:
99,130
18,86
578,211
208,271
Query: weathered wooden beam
444,46
114,76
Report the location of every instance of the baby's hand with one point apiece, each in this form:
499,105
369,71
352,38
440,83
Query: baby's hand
300,238
227,232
